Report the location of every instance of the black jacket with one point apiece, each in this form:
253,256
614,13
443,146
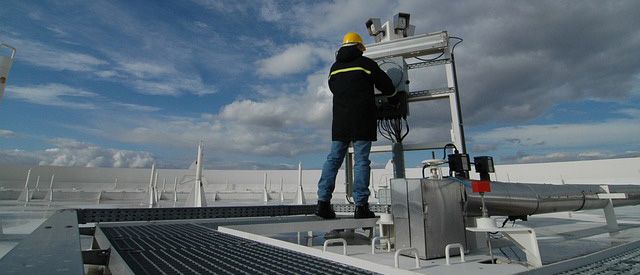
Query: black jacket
351,80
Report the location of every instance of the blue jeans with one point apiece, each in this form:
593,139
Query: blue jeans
362,170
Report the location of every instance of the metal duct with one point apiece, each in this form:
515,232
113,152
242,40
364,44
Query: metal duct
518,199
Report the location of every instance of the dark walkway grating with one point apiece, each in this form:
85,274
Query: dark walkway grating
623,263
190,249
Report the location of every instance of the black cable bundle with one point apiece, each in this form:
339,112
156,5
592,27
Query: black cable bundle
392,129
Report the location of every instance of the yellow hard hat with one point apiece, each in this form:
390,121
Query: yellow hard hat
351,38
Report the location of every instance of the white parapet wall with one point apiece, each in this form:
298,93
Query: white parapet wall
225,182
608,171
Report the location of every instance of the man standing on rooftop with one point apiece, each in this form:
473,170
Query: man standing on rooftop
352,80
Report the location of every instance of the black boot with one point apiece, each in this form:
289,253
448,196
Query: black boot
363,212
325,211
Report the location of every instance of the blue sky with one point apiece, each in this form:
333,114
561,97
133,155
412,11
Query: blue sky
129,83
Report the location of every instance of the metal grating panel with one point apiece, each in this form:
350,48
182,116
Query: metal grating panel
622,259
623,263
350,208
187,213
153,214
189,248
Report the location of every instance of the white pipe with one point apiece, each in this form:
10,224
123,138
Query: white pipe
152,192
299,173
199,194
26,187
281,189
13,49
175,189
264,182
155,186
300,199
37,183
265,195
5,67
199,163
51,187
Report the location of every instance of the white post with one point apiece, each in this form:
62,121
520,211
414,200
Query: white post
37,183
152,192
51,188
300,193
265,195
26,187
281,190
198,193
164,183
155,186
609,213
456,129
5,66
300,173
115,184
175,189
372,188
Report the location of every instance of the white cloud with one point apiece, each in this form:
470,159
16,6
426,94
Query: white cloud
106,74
517,60
60,95
54,95
295,59
147,77
7,133
201,25
611,138
332,19
158,58
225,6
270,12
515,80
522,157
137,107
570,135
144,70
68,152
54,58
630,112
283,124
155,78
18,157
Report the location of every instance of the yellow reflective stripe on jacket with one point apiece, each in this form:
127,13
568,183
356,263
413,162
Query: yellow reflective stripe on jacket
349,70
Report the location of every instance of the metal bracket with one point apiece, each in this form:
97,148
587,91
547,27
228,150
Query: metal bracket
609,213
87,231
454,245
430,63
396,257
423,95
373,243
96,256
523,237
339,240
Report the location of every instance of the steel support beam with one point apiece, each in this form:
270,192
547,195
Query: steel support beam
53,248
408,47
317,225
96,256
